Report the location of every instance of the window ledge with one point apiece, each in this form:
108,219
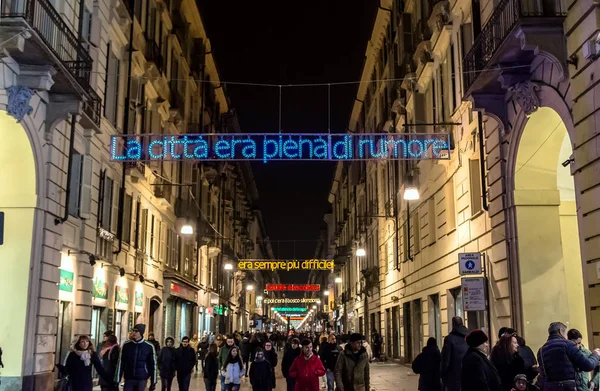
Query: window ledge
476,215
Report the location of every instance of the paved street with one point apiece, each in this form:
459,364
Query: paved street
384,377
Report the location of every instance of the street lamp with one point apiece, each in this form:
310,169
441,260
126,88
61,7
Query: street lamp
360,251
326,293
228,266
411,193
249,287
338,280
314,307
318,301
187,229
259,298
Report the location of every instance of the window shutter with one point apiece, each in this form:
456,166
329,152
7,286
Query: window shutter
134,218
85,203
74,183
144,230
127,205
114,221
151,230
106,202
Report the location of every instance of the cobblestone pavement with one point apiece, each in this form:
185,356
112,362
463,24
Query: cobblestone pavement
384,377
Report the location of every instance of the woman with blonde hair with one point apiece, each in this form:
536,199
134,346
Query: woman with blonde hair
78,365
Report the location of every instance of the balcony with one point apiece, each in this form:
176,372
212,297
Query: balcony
137,170
516,31
45,39
154,59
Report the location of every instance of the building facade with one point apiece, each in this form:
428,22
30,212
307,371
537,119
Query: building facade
90,244
504,83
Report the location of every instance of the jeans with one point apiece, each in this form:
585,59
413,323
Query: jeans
135,385
183,381
222,383
291,382
231,387
166,383
330,377
210,384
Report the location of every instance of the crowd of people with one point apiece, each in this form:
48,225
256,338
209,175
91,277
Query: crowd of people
466,363
309,361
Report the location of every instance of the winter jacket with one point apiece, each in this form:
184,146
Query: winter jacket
583,377
233,373
427,365
329,354
211,366
260,375
202,350
166,362
559,358
352,369
307,373
288,359
156,345
223,353
80,375
507,368
245,349
478,373
453,352
185,360
528,357
110,360
137,361
271,358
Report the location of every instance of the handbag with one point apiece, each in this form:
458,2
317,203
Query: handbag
63,384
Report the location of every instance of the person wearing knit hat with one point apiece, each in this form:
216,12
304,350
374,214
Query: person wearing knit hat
137,362
478,373
520,383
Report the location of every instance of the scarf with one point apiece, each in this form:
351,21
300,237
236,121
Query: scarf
85,356
106,349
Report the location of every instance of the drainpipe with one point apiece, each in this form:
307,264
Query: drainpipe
65,217
125,132
482,163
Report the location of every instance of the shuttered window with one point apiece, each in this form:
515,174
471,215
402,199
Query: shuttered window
127,212
74,184
85,197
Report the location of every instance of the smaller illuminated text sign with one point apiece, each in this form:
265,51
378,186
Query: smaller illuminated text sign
293,287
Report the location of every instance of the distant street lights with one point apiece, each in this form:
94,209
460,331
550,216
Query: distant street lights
338,280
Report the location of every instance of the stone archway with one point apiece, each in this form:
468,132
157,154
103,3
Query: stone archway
549,261
18,202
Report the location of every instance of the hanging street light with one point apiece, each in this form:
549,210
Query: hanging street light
360,252
228,266
338,280
187,229
326,293
411,193
249,287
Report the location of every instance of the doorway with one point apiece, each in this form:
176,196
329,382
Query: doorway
65,320
395,334
435,319
406,314
417,322
549,254
153,316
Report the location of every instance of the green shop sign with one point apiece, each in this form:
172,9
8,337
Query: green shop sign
122,295
100,289
139,299
66,281
221,309
289,309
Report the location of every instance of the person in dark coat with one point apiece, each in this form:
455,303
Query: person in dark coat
154,343
529,359
377,342
261,373
185,361
453,352
245,350
211,368
329,354
560,359
427,365
137,362
271,357
109,354
78,365
289,356
507,361
166,364
477,372
202,351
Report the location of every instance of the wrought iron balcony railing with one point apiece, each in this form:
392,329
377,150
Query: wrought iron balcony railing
153,54
502,22
43,19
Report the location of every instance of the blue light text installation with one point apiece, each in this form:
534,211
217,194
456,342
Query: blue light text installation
278,146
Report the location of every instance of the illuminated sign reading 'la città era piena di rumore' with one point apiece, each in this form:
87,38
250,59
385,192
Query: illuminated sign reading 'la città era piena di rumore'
280,146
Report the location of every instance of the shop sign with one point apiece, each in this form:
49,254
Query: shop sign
293,287
289,309
221,310
122,295
66,281
285,265
106,235
100,289
291,301
210,311
473,289
139,299
183,291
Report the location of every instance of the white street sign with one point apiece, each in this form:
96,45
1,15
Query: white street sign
469,263
473,289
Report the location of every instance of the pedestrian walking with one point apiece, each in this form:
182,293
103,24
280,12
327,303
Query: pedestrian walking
560,359
261,373
453,351
271,357
507,360
109,355
211,370
427,366
154,343
306,369
224,351
377,343
352,372
477,372
185,361
289,355
329,354
232,370
194,345
166,364
245,350
582,378
78,365
202,351
137,362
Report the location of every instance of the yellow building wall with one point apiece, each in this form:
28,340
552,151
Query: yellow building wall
17,201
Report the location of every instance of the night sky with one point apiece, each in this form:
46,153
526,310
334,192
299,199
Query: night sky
281,43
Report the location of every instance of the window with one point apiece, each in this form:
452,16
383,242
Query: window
111,87
85,25
475,186
450,208
75,183
137,11
127,213
415,226
152,250
136,217
143,231
453,76
106,203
